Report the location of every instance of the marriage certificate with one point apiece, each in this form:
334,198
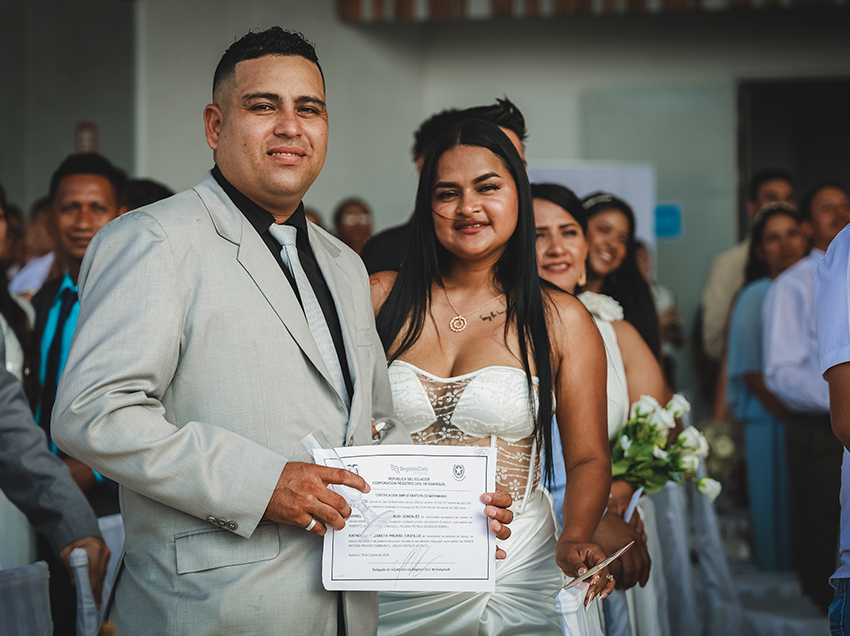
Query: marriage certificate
438,538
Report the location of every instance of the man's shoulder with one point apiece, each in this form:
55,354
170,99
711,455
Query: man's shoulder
802,272
182,208
385,250
733,258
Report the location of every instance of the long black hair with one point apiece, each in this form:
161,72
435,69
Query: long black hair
515,272
756,266
626,285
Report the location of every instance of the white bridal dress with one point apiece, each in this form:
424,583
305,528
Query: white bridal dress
640,611
488,407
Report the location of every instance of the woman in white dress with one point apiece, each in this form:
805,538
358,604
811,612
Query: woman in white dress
561,224
479,355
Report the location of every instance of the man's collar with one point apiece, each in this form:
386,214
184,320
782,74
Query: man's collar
67,283
260,218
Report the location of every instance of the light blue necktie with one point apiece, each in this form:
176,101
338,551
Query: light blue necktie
286,235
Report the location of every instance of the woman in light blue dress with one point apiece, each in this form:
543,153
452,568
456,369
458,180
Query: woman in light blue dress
776,243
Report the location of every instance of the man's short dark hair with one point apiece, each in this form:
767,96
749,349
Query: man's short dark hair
255,44
763,175
142,192
503,113
351,201
89,163
805,208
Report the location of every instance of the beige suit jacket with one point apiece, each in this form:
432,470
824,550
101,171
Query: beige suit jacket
724,281
191,377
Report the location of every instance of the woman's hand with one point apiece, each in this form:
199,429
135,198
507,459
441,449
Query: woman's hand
498,504
633,566
576,558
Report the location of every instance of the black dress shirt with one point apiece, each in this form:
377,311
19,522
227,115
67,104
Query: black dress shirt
262,220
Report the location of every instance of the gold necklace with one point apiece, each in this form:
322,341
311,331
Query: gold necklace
458,323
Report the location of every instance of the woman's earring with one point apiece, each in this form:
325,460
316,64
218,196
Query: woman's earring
583,280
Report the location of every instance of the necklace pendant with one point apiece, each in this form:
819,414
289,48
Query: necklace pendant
457,324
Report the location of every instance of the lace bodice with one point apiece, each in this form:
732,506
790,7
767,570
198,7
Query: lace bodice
488,407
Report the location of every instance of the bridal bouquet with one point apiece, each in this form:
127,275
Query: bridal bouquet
642,457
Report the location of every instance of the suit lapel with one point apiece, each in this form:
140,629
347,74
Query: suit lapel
341,289
254,256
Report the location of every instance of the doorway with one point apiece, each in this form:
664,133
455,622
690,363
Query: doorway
800,125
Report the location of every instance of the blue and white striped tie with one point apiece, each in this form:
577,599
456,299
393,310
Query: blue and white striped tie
286,236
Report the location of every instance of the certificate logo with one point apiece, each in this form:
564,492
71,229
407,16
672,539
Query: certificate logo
459,472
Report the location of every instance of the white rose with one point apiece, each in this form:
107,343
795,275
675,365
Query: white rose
625,444
709,488
694,442
659,453
601,307
690,463
663,420
646,405
678,405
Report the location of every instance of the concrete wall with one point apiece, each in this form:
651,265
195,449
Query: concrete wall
374,86
649,88
62,62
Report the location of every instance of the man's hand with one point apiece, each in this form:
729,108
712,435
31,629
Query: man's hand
633,566
98,555
497,509
82,475
618,507
302,495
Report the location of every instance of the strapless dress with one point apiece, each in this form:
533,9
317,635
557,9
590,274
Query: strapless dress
488,407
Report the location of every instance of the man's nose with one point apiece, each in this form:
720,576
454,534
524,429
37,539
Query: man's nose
84,217
287,124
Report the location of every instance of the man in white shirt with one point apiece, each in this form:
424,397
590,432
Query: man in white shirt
792,371
832,314
767,185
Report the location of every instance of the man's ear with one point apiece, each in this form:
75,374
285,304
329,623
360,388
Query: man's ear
212,125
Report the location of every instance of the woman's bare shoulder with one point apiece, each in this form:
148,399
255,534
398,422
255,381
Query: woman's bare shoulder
380,286
570,324
564,307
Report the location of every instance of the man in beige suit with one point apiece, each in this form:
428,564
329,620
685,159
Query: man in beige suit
767,185
217,328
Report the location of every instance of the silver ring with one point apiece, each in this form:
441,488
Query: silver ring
311,525
610,577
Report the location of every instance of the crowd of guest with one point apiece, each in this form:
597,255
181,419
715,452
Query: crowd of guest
758,308
613,342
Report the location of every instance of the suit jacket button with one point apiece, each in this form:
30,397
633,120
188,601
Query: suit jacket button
232,525
211,520
221,522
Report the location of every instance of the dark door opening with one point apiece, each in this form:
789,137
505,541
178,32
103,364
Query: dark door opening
801,125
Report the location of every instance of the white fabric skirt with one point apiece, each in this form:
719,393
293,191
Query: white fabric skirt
523,604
